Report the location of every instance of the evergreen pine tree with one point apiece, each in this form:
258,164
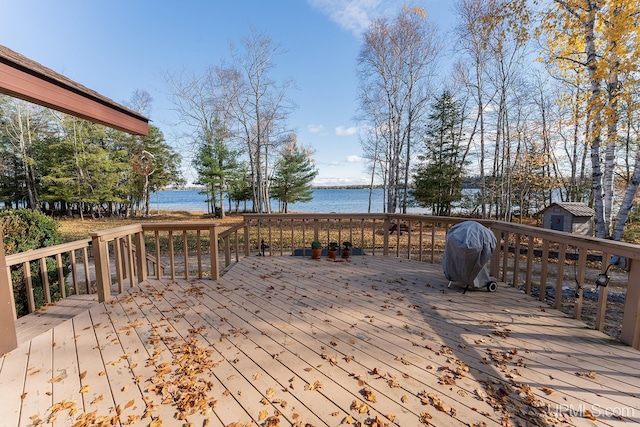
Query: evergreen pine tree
438,180
293,176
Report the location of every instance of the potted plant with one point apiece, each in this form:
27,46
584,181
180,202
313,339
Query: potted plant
316,249
346,249
332,249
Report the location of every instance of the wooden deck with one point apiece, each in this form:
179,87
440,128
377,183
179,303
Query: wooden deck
290,341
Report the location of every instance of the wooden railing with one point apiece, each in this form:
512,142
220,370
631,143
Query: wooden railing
527,257
134,247
71,252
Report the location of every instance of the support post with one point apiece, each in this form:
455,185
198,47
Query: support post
631,319
8,336
101,260
141,257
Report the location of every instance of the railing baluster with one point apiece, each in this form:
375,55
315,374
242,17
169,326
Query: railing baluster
44,274
158,253
582,265
117,252
505,256
74,274
185,252
385,236
87,273
433,242
516,262
213,253
199,252
603,292
562,253
237,242
420,252
543,270
409,239
130,260
527,284
61,281
172,260
373,240
281,238
31,304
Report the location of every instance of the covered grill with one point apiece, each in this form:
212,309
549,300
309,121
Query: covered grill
469,246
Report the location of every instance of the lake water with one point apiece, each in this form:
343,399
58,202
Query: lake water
343,200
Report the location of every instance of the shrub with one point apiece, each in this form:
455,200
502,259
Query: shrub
25,230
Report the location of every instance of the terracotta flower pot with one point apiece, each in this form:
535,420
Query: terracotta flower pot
346,253
316,253
332,254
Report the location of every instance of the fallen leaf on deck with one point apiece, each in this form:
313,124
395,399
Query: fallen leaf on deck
368,394
547,390
590,374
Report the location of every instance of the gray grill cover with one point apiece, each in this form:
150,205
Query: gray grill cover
468,248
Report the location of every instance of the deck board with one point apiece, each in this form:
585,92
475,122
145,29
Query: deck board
51,315
291,341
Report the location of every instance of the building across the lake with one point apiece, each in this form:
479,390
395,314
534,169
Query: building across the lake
572,217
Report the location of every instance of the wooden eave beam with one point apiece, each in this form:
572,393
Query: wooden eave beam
39,85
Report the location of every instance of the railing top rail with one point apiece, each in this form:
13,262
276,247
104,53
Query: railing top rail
232,230
614,247
166,226
28,256
112,233
312,216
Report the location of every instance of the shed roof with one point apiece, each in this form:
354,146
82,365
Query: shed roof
574,208
26,79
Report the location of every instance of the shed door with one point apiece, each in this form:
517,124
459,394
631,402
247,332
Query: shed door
557,222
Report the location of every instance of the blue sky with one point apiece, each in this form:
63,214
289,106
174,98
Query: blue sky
118,46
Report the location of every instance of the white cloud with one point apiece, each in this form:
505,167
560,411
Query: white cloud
344,131
355,15
331,181
315,128
356,159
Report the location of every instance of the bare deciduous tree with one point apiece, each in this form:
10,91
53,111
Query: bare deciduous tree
395,68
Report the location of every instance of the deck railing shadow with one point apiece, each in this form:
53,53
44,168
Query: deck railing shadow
526,256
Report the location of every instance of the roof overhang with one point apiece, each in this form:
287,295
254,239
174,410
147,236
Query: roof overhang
25,79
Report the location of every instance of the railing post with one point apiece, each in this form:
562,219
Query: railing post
141,257
385,234
316,229
101,260
631,319
8,336
213,252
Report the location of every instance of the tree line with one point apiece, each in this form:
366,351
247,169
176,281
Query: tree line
63,165
541,106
